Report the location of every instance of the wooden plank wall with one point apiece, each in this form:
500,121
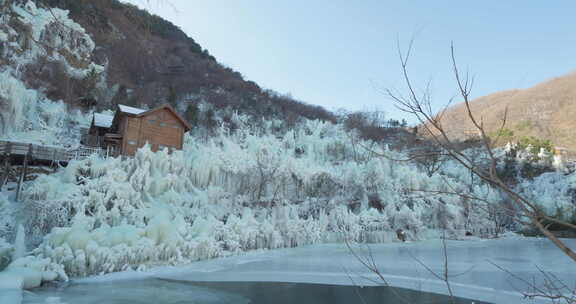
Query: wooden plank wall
131,138
160,128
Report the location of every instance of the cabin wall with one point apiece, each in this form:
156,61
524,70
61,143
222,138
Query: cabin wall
160,129
131,139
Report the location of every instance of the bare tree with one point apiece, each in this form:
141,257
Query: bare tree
267,166
419,105
552,287
429,158
369,262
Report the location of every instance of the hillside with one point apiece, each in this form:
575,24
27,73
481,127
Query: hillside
546,110
149,60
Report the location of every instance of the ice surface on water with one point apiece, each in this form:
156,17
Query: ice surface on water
333,264
133,292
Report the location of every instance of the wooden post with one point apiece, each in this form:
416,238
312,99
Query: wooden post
4,179
23,173
53,160
7,155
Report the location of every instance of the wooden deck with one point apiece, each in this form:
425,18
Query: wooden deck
16,153
47,153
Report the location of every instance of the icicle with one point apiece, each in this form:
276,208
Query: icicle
19,243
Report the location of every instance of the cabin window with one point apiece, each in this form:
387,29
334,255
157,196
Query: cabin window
162,124
176,126
132,142
152,121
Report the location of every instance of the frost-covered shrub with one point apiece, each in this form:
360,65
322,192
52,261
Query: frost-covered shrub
7,220
553,193
5,253
7,230
236,192
41,217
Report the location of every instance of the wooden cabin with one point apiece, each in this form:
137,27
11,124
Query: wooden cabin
94,136
560,151
131,128
472,134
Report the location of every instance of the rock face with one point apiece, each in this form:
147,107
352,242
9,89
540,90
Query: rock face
546,110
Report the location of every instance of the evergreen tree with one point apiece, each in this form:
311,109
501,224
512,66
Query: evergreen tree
192,113
172,97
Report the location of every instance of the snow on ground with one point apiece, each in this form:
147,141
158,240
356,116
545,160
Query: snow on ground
334,264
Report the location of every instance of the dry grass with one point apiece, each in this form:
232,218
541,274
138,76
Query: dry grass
547,110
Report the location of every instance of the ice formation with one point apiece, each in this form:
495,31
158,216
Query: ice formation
554,192
19,243
29,117
29,34
255,188
233,193
29,272
50,33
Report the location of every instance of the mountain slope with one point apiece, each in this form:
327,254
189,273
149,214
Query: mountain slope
150,61
547,110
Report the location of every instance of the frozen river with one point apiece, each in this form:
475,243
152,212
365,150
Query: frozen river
159,291
470,262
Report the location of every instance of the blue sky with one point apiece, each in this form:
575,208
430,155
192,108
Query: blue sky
335,52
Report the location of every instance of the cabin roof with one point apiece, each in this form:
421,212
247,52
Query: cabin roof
136,112
103,120
170,109
130,110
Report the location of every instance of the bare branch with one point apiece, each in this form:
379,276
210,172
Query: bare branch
420,108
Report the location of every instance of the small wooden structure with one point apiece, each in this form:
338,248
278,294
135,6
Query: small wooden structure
561,151
14,153
94,136
131,128
472,134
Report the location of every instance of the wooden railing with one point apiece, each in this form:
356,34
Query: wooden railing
31,152
48,153
92,140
